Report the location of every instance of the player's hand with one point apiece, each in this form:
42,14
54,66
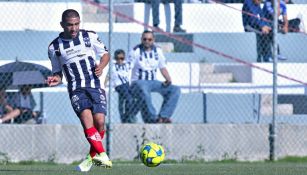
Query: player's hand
53,80
98,70
266,29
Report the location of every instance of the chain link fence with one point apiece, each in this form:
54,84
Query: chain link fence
226,107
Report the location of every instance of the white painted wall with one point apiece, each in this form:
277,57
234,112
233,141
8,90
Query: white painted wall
196,17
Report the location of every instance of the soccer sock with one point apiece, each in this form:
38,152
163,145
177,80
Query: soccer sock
92,150
94,139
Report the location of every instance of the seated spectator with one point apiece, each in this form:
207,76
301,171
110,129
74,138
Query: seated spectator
4,106
120,77
268,13
146,59
23,105
284,25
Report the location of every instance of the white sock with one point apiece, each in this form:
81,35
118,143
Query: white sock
0,121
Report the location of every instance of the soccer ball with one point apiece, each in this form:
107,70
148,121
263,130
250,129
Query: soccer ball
152,154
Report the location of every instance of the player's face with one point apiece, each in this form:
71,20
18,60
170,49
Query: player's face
147,40
71,27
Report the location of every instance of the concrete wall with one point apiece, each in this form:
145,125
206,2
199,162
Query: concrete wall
66,143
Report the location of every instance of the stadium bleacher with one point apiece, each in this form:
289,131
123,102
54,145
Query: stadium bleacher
223,35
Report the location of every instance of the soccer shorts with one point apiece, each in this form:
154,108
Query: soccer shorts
89,98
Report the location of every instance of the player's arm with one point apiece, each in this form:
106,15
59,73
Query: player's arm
101,50
56,78
104,60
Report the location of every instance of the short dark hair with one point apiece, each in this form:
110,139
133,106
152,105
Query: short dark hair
117,52
70,13
148,31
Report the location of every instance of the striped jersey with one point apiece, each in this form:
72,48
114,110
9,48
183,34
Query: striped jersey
120,74
76,58
146,63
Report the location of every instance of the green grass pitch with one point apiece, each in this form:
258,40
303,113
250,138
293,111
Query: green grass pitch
218,168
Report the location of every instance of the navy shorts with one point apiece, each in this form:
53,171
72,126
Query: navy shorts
89,98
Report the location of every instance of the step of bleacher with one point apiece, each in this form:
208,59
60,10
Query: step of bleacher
98,17
267,106
282,109
216,78
176,38
167,47
205,68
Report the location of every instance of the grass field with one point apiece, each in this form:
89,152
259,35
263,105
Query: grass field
219,168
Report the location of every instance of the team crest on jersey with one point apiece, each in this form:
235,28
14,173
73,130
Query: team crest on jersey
87,41
74,98
102,98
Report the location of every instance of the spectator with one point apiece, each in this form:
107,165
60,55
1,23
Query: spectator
252,22
284,25
120,77
23,104
167,10
146,58
4,106
155,4
268,13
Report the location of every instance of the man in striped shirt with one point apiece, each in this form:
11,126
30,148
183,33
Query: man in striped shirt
146,59
74,54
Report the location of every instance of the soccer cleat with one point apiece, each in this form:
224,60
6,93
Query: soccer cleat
85,165
103,160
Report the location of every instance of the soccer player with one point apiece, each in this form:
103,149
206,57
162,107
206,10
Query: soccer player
146,58
73,53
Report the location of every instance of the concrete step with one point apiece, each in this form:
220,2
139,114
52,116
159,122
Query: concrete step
96,18
282,109
166,47
92,13
267,106
205,68
216,78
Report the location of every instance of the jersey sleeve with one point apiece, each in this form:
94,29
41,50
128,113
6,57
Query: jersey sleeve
55,62
98,45
162,60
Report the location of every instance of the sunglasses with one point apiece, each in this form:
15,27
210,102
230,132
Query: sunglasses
147,39
120,58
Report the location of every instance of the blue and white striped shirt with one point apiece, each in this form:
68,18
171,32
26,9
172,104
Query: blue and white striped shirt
146,63
76,58
120,74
